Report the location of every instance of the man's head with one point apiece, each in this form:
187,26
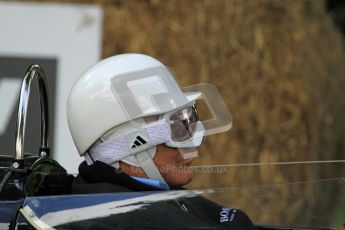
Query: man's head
128,111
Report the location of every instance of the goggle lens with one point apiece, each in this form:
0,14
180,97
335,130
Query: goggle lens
183,123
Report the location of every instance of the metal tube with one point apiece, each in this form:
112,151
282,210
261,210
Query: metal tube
32,72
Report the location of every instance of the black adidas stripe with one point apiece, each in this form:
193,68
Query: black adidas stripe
138,142
141,140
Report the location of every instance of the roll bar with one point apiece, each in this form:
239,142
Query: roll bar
34,71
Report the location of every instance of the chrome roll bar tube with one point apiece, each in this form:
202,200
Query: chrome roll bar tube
34,71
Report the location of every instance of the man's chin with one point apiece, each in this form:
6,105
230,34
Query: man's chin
185,182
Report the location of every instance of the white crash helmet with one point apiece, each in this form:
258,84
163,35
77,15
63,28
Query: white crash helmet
109,105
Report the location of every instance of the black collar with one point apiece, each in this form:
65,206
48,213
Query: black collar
100,172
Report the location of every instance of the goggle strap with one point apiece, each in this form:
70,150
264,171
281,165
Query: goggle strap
158,132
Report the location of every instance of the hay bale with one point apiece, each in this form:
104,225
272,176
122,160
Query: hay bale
279,65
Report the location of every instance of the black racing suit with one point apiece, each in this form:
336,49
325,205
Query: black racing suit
182,213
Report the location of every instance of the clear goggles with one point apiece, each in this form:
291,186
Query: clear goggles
183,123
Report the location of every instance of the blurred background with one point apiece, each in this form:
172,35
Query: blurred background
280,65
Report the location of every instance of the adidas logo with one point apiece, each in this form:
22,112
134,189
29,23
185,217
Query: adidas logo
139,141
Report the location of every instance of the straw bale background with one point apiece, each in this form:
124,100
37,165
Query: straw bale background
279,65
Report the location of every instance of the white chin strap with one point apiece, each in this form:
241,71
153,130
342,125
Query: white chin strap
146,163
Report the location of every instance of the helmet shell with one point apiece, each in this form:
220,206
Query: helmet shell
92,107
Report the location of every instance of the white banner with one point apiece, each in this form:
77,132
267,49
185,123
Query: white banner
65,40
